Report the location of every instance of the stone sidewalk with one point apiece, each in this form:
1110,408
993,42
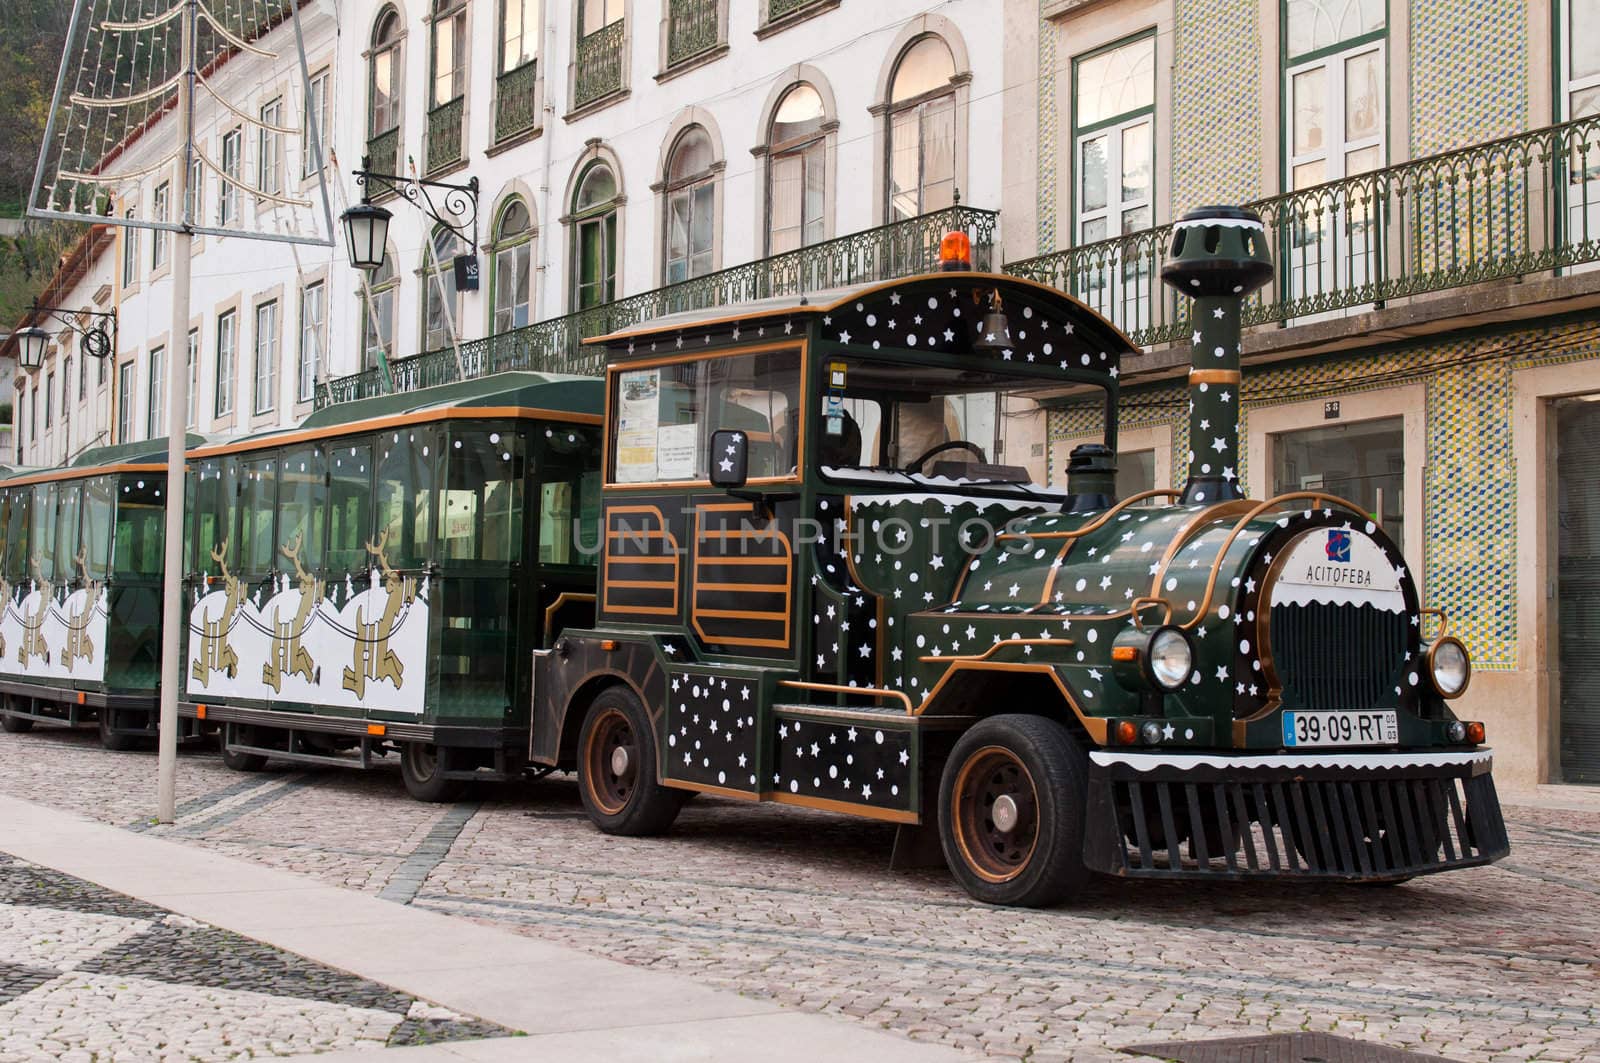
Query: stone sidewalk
115,945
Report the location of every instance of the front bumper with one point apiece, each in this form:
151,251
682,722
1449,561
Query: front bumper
1336,815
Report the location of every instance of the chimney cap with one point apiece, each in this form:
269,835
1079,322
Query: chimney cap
1216,251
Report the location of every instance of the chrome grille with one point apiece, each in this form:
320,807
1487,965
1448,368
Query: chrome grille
1336,656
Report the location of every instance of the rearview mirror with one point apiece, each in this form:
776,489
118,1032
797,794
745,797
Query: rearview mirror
729,460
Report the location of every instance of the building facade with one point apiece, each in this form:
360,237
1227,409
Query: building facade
1430,176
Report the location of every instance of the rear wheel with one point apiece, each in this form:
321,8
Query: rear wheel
422,766
235,760
15,725
617,776
1011,808
109,739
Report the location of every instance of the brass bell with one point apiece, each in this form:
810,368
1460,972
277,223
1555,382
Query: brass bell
994,334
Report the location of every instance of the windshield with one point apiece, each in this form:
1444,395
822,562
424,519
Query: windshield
956,422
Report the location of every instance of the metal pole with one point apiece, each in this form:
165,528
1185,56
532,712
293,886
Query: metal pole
177,423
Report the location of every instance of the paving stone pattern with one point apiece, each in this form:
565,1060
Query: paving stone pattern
93,975
1495,963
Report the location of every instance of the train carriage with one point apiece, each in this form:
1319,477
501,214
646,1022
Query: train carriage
822,586
374,580
80,638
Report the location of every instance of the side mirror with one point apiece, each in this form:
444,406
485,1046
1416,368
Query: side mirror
729,460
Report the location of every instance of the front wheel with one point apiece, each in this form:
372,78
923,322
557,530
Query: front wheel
617,777
1011,810
422,768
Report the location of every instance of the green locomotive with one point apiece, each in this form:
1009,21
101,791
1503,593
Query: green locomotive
817,588
80,637
373,581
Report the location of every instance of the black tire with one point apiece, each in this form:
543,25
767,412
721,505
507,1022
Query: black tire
617,734
1043,771
116,743
234,760
422,766
15,725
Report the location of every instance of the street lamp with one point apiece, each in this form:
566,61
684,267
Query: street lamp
31,343
366,231
366,226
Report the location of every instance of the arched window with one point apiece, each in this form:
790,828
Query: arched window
377,319
594,256
691,200
921,162
449,51
441,303
384,91
513,267
796,181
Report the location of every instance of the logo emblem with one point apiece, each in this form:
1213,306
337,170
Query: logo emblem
1338,545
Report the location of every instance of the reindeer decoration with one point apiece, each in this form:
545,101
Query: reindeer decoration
78,646
215,652
5,607
373,659
33,644
289,657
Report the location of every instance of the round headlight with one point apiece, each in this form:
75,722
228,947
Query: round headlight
1449,666
1171,658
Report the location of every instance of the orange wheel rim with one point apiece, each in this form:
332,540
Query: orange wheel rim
996,851
609,788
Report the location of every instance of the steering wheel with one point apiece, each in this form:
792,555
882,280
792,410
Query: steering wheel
953,444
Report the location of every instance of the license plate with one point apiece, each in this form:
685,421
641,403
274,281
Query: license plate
1340,729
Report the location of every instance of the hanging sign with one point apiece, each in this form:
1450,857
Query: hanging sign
466,273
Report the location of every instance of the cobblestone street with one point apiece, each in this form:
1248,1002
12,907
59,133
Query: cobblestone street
1492,963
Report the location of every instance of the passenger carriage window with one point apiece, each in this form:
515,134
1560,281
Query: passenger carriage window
18,519
405,495
569,495
349,507
302,510
215,506
69,497
97,504
665,415
139,528
480,504
258,497
42,535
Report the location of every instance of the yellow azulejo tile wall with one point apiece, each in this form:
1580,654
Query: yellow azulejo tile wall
1470,534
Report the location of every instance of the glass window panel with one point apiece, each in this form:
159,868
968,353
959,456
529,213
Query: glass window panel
597,187
1583,38
258,499
19,526
1362,160
404,495
1118,81
1135,220
926,66
598,14
701,230
519,33
1309,173
514,220
139,530
1093,229
1310,109
905,153
1136,161
1363,461
799,114
97,502
938,154
812,226
1363,96
1317,24
480,502
691,156
784,210
216,505
1585,103
349,506
1092,174
569,495
665,416
69,497
302,508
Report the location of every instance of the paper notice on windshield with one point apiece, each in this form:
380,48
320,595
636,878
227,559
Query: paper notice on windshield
675,445
638,416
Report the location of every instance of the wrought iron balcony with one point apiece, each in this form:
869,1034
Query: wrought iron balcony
445,124
777,9
598,70
1506,208
384,152
514,110
691,29
901,249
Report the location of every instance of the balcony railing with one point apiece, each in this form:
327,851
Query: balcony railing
444,134
514,110
1506,208
777,9
691,29
384,151
599,65
901,249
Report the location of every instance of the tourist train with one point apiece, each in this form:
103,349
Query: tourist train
770,557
